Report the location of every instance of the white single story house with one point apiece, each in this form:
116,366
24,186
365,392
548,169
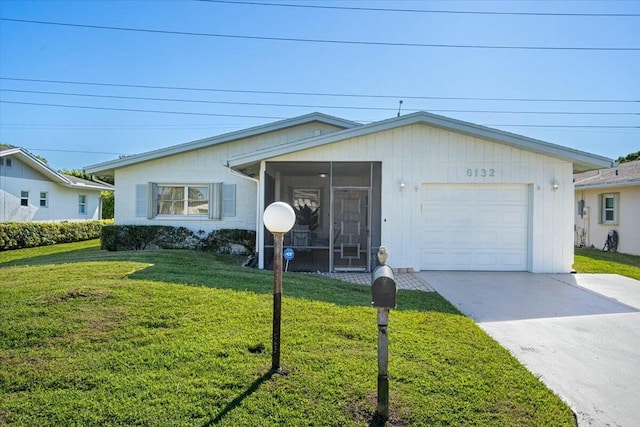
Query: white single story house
31,191
606,200
439,193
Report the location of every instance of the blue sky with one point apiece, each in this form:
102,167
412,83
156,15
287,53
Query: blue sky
71,138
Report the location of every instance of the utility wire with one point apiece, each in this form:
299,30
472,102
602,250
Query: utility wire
327,106
262,117
87,107
456,12
264,92
326,41
256,104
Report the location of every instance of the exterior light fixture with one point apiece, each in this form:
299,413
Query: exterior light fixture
322,175
555,185
402,184
279,218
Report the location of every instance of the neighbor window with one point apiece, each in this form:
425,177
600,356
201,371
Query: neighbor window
82,204
43,199
609,208
4,161
183,200
24,198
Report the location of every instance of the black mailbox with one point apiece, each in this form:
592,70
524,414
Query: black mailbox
383,287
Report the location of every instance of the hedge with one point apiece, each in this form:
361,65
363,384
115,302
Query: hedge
139,237
17,235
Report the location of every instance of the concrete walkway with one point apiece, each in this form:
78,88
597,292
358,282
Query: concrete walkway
579,333
407,281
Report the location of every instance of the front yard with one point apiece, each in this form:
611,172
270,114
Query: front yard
183,338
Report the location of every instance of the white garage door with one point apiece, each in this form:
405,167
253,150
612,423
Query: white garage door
475,227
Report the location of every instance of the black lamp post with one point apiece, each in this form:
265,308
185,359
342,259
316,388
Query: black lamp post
279,218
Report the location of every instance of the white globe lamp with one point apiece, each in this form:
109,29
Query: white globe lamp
279,217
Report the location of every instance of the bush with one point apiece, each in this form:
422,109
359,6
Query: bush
223,240
139,237
17,235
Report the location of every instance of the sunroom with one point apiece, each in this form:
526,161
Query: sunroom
337,207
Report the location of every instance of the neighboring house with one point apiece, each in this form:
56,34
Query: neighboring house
32,191
606,200
439,193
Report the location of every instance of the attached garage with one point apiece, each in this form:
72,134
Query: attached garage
477,227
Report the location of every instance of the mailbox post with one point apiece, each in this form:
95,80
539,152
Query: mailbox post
383,297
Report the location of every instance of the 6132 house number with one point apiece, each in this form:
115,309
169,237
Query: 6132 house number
482,173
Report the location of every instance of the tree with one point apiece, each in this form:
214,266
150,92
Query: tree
629,157
80,174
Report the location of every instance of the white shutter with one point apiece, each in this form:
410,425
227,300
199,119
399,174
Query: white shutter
215,200
152,200
142,194
229,200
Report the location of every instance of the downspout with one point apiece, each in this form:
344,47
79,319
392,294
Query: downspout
257,182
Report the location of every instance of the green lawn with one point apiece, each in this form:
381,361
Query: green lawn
597,261
183,338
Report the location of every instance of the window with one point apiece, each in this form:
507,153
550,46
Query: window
187,200
43,199
82,204
4,161
212,201
609,208
24,198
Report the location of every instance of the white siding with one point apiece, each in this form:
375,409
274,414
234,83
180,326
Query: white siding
420,154
204,166
62,201
628,226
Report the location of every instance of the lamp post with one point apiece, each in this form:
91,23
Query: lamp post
279,218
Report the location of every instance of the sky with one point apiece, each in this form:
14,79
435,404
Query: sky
84,82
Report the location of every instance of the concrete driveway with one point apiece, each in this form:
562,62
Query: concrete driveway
580,333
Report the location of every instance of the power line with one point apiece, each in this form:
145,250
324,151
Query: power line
456,12
265,92
87,107
326,41
254,104
279,118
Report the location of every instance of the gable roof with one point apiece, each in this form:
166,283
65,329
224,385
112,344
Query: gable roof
44,169
624,174
108,167
582,161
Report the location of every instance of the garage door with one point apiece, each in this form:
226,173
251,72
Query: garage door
475,227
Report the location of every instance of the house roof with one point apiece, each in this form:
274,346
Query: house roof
48,172
624,174
582,161
110,166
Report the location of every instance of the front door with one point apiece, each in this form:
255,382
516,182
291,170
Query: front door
350,236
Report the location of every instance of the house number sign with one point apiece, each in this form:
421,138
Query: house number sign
481,173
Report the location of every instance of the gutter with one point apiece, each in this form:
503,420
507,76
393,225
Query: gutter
257,182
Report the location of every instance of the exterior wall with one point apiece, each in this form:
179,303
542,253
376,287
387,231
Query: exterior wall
62,201
421,154
204,166
628,226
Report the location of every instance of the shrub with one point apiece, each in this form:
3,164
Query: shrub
139,237
17,235
223,240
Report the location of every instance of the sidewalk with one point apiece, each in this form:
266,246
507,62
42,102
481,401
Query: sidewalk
405,281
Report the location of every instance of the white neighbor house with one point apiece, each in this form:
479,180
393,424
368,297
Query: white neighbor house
439,193
609,199
32,191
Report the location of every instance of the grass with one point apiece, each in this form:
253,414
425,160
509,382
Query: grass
182,338
597,261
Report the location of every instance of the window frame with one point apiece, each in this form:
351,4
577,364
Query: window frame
185,200
614,210
24,198
82,204
44,199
